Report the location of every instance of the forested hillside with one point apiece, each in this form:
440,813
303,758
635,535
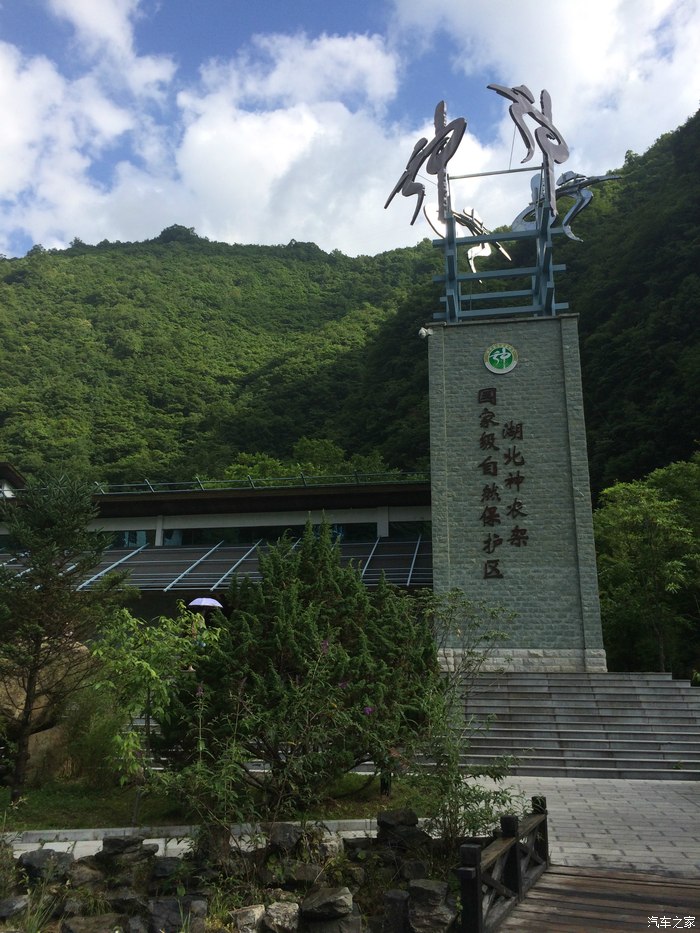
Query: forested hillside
171,358
167,358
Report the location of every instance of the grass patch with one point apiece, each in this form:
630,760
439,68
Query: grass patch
76,806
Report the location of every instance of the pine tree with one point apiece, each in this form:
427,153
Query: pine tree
47,618
312,673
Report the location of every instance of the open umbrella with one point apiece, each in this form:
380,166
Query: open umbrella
204,602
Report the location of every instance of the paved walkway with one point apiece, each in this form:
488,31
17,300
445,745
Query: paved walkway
630,825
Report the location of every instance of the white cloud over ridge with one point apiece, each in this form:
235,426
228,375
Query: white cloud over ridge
290,138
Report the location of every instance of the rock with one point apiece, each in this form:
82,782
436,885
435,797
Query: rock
166,867
120,853
284,837
399,829
293,872
100,923
136,925
169,914
393,818
46,865
354,875
395,916
127,901
428,911
322,903
350,923
248,919
12,906
425,891
403,837
279,894
330,846
355,845
413,868
122,845
282,917
83,874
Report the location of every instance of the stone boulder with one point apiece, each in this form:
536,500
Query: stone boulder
322,903
428,910
170,914
46,865
282,917
248,919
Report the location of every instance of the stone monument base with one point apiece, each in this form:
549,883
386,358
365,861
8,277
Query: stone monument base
539,660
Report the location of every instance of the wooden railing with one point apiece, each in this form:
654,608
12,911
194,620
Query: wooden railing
494,879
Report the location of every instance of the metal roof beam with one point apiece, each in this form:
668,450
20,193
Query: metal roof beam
231,570
191,567
111,567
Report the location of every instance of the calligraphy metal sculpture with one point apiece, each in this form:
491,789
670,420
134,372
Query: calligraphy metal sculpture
535,222
437,154
547,136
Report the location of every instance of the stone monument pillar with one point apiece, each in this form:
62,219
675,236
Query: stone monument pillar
511,508
511,505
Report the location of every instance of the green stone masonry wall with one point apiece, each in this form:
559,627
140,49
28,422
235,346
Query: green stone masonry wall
511,505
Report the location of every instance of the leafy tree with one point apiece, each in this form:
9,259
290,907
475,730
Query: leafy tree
311,674
140,664
647,559
46,618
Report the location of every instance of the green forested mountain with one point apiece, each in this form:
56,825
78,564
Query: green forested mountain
170,358
635,281
167,358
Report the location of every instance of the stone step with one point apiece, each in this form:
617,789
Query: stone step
622,767
629,724
583,751
609,679
601,733
649,744
617,774
670,693
622,725
582,704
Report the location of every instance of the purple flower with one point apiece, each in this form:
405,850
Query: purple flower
324,646
368,710
199,691
344,684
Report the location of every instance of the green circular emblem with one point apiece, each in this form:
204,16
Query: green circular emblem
500,358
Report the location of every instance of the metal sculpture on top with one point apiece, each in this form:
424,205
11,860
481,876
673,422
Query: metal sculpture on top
536,221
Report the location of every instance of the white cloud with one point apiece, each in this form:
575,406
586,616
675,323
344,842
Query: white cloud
289,138
620,72
280,69
29,92
104,31
99,23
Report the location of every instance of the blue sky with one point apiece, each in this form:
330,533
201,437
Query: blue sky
261,122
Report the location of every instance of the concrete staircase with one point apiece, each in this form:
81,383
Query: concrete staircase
644,726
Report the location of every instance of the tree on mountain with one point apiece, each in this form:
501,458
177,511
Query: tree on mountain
47,618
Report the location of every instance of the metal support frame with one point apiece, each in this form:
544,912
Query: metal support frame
235,566
459,307
191,567
116,563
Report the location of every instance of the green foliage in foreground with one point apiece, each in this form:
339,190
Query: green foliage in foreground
46,617
311,673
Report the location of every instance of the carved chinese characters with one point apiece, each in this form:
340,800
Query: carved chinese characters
503,510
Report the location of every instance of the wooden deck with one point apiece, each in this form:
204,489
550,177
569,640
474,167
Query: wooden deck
595,900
